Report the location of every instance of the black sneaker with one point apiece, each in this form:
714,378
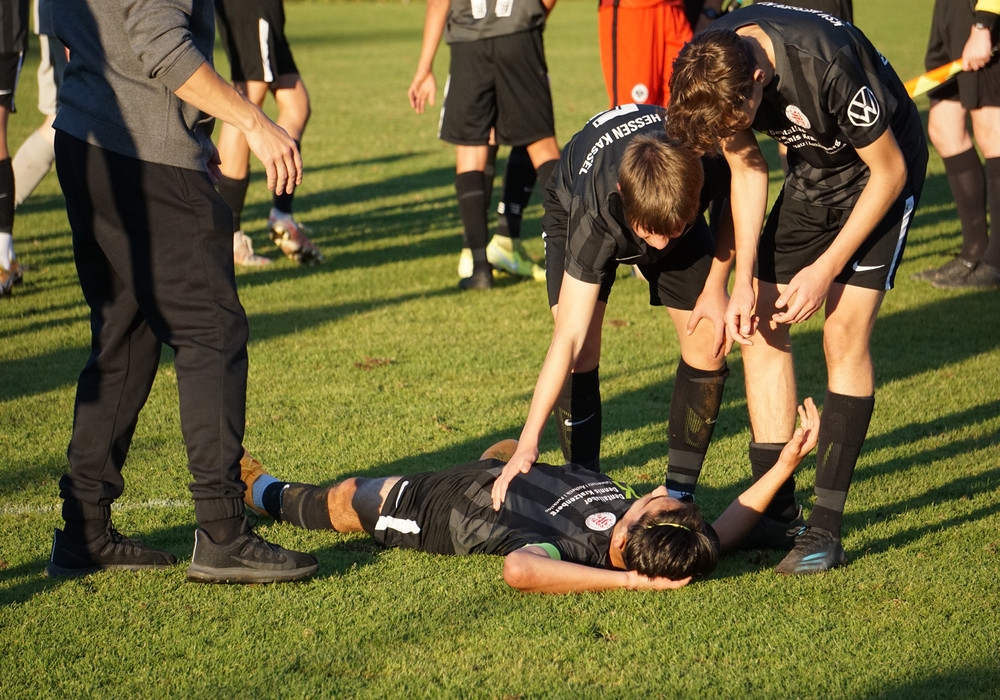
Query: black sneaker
957,268
112,550
771,533
481,280
248,559
816,550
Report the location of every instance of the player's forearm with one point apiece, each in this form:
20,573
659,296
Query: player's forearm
748,198
725,251
539,574
742,514
207,91
560,357
434,23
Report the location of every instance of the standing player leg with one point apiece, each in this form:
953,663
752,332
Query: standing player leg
986,127
847,411
505,251
470,188
294,110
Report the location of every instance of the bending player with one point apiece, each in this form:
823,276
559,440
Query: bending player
561,529
624,194
857,156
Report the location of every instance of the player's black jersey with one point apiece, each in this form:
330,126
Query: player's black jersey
569,507
13,26
470,20
586,186
832,93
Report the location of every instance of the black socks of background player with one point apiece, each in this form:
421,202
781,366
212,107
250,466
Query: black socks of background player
302,505
694,408
518,183
578,417
470,187
967,180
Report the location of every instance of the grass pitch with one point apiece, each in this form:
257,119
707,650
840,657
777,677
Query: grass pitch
374,364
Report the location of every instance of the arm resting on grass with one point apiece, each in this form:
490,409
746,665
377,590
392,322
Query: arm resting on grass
532,570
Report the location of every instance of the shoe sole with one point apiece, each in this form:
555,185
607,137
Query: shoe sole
56,571
207,574
819,568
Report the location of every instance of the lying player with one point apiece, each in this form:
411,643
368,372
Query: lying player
561,529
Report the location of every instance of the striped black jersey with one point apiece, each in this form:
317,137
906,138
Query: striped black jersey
832,93
585,185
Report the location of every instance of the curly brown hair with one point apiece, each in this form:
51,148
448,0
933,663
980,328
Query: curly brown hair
712,79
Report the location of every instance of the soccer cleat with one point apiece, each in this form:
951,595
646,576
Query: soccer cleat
771,533
465,265
250,471
816,550
985,276
111,550
480,281
248,559
512,258
955,269
10,277
290,237
243,252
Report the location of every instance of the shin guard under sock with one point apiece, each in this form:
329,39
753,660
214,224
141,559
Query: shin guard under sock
968,188
763,456
472,210
578,415
841,434
694,408
302,505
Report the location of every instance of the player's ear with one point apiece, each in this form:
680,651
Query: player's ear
619,538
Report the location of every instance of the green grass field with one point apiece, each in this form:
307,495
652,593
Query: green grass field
374,364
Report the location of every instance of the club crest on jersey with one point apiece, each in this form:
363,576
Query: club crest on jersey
599,522
797,116
864,108
640,93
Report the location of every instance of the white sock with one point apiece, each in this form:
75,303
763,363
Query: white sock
32,162
6,250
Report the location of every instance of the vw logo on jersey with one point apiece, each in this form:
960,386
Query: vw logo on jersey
864,109
640,93
797,116
599,522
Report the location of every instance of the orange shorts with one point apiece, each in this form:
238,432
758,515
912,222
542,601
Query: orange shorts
639,41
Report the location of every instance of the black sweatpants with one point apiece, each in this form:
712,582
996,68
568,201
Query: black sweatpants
153,249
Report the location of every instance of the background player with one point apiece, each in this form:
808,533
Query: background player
958,31
498,79
561,529
856,163
260,59
623,194
13,44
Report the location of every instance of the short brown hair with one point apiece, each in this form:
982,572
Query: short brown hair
660,182
712,79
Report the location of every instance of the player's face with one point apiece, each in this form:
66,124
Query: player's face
660,240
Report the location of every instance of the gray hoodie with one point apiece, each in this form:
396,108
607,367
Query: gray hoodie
126,60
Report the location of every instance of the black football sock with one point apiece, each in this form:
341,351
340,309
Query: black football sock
234,193
968,188
694,408
472,210
7,198
518,183
763,456
578,416
841,434
489,174
302,505
282,201
992,254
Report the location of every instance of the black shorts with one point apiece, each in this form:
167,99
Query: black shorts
798,232
498,82
420,510
675,281
253,36
949,32
10,74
